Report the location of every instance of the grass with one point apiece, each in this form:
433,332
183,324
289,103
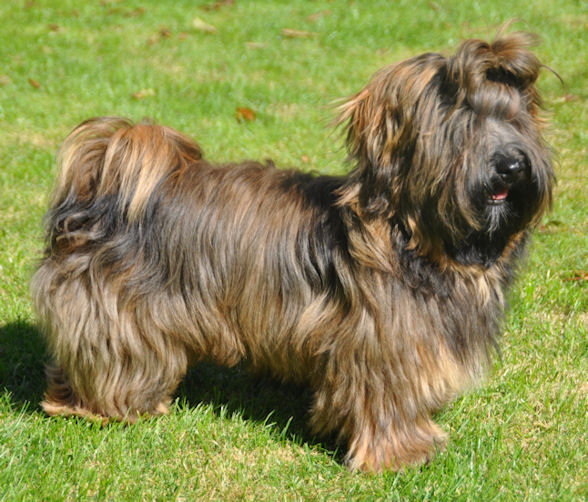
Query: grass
521,436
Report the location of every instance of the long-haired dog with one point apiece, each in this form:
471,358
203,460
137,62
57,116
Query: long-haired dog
382,290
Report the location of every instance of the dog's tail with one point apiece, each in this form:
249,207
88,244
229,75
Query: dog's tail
111,160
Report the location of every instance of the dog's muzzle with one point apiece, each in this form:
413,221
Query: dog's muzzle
509,169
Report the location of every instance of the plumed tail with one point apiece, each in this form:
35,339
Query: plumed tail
110,160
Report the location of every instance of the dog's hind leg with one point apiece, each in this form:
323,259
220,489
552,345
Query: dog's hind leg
120,386
60,398
107,363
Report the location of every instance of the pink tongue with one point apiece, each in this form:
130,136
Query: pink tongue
500,195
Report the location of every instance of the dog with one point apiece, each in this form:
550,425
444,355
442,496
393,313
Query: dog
382,290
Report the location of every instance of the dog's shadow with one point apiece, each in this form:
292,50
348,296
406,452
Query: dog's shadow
22,364
256,398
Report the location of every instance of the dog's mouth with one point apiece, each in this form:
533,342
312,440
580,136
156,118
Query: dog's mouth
498,196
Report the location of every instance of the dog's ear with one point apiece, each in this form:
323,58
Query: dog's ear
380,128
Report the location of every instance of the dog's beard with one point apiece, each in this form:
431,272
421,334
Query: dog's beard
500,219
503,213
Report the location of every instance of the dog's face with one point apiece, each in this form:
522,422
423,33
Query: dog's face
451,148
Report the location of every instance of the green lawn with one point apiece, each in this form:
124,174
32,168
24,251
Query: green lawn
191,65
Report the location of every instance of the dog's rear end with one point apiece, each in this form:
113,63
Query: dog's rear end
109,173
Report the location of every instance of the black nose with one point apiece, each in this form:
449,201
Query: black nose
510,168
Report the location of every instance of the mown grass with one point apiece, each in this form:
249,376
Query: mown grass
522,436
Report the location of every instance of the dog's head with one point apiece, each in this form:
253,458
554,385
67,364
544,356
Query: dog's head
450,149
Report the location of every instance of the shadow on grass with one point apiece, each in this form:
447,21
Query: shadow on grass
257,398
22,374
22,364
